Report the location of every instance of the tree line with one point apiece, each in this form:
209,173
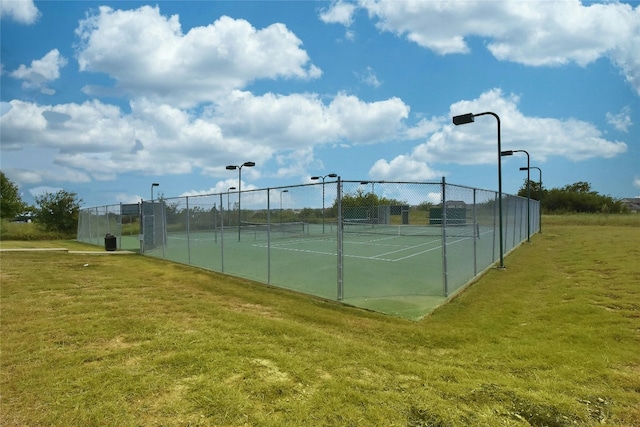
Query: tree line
572,198
56,212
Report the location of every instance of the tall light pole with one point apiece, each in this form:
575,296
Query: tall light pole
541,192
155,184
469,118
239,167
509,153
331,175
229,206
283,191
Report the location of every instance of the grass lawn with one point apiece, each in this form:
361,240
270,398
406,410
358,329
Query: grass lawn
553,340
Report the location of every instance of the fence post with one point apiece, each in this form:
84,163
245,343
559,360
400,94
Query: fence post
476,234
119,225
443,225
222,235
268,236
163,225
340,242
188,233
142,230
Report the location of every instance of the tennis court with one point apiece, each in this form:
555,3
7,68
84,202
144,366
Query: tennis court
397,269
389,254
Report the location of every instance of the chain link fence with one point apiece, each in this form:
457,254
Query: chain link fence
396,247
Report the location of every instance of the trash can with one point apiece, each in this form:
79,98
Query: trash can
109,242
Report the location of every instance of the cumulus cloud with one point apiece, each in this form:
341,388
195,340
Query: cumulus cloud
338,13
476,143
621,121
42,190
149,55
403,168
100,140
530,33
286,121
41,72
23,11
369,77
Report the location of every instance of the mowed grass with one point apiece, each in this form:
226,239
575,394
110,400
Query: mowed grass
554,340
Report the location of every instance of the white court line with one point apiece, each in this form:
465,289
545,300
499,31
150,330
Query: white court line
310,251
374,257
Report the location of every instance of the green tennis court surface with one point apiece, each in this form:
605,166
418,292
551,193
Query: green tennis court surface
384,269
402,248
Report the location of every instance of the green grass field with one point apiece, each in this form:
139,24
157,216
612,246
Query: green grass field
98,340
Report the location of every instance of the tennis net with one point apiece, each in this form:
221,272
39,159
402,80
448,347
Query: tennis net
289,229
370,227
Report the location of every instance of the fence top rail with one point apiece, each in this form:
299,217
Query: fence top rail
319,183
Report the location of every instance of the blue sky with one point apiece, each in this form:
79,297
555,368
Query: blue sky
105,98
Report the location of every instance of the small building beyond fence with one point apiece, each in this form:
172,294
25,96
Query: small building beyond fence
400,248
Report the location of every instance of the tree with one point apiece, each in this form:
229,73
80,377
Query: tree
59,211
534,188
11,204
577,197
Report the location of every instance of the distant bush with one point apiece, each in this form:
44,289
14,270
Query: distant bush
618,220
573,198
29,231
58,212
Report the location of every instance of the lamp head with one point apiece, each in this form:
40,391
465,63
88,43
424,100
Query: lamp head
232,188
463,119
249,164
155,184
333,175
524,168
315,177
231,167
506,153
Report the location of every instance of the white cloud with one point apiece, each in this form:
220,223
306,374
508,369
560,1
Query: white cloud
41,191
338,13
424,128
476,143
286,122
41,72
24,177
148,55
100,141
403,168
530,33
94,140
363,123
636,182
22,11
369,77
621,121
